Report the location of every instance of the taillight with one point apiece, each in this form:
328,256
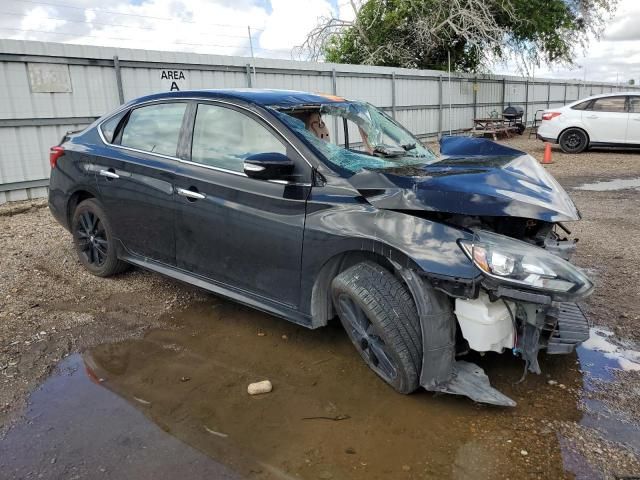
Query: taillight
54,154
550,115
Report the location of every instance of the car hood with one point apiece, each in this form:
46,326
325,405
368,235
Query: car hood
472,177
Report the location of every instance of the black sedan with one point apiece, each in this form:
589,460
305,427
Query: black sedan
310,207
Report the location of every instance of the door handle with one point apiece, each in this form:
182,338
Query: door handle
637,119
592,117
109,174
190,194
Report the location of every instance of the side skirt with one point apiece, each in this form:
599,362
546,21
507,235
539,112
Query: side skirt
254,301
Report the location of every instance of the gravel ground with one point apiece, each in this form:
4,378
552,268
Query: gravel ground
50,307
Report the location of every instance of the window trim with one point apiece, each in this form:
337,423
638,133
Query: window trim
130,107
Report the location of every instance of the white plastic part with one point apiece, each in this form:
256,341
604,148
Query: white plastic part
486,325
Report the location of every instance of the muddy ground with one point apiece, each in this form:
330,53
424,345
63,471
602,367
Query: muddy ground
143,361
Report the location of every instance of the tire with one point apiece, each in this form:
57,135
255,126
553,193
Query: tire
573,140
93,240
521,128
380,318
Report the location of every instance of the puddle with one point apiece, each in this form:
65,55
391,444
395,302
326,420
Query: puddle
617,184
601,356
174,405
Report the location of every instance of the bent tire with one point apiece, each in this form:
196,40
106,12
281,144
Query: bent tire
380,317
573,140
93,240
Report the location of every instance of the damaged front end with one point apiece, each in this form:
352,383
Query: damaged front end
523,302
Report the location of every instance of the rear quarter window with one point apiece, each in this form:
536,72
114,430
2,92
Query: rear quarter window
108,128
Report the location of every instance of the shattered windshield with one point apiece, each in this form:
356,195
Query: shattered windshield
356,136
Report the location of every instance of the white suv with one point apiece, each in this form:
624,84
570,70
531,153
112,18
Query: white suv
611,119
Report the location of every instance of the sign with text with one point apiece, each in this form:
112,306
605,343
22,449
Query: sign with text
173,80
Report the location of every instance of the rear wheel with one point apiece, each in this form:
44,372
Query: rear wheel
380,317
93,240
574,140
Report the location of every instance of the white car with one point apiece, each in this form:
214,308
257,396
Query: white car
606,120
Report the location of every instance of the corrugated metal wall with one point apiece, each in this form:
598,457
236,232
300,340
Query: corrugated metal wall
90,81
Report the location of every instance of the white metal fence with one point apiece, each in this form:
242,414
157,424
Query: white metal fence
47,89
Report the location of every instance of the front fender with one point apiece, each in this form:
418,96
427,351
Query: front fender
353,225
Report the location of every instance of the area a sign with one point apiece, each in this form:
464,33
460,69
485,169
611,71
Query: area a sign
173,80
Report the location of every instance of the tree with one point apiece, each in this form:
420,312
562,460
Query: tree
632,81
476,33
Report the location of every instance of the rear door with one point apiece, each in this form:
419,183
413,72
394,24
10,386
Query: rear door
235,230
633,124
606,120
136,177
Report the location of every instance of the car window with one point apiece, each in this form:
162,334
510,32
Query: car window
581,105
108,128
634,104
223,138
155,128
609,104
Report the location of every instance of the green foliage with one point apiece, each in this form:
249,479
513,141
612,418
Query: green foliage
410,33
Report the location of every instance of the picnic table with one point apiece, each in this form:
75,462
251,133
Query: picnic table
494,126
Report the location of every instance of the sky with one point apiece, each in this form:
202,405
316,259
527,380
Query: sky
220,27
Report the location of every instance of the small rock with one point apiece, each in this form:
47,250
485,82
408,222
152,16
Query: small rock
524,453
185,379
53,460
350,451
562,386
406,468
284,337
259,387
552,382
261,334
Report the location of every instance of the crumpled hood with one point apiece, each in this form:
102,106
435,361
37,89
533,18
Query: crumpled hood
473,177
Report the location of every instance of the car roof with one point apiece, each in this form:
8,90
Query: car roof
263,97
612,94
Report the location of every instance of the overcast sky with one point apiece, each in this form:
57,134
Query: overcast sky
220,26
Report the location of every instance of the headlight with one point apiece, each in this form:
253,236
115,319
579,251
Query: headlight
519,263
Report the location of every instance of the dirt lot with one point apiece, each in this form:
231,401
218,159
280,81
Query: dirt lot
172,352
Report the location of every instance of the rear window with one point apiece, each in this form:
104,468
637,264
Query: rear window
634,104
609,104
155,128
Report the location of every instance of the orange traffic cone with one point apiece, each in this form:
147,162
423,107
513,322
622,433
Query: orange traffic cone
546,160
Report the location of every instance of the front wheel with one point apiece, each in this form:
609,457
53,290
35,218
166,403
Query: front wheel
380,317
93,240
573,140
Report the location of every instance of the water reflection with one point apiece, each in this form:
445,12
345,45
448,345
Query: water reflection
327,417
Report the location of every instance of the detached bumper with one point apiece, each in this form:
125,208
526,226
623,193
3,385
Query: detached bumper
567,328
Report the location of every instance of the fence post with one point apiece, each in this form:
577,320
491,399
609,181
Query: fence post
549,96
504,93
475,97
116,66
565,93
248,73
439,106
526,101
393,95
334,89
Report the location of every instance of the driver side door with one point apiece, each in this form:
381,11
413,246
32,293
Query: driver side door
241,232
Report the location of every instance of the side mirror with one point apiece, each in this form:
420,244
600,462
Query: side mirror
268,166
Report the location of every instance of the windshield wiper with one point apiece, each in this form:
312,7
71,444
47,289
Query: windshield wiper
409,146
